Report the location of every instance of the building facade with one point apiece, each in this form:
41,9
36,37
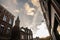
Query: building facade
26,34
6,23
8,32
16,30
51,11
21,33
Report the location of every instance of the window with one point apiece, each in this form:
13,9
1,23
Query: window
8,30
58,29
23,30
2,25
58,1
2,28
0,12
22,37
28,31
28,37
4,18
10,22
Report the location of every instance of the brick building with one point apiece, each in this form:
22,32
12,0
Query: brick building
51,12
6,22
21,33
26,34
16,30
8,32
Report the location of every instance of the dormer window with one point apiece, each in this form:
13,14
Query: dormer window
4,18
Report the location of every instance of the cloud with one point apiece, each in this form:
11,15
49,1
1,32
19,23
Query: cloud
38,17
35,3
29,10
42,32
16,11
14,1
30,13
4,6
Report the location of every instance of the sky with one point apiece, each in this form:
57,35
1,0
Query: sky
30,14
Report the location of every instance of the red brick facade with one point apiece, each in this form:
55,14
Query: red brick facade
6,22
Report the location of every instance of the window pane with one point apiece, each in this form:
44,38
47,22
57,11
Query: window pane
4,18
22,37
10,22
